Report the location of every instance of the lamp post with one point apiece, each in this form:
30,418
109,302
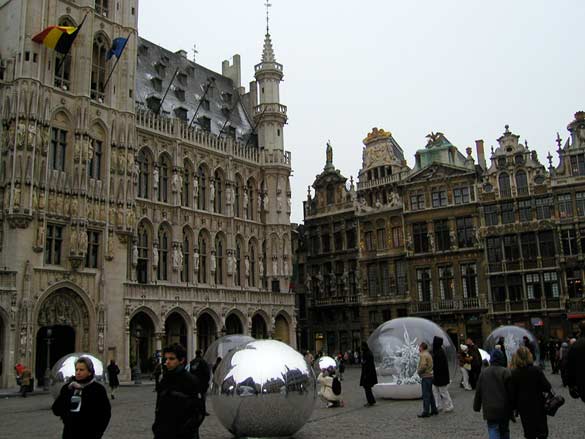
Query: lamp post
137,371
47,376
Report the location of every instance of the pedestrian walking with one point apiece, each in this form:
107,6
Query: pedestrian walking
83,404
464,366
563,362
25,381
425,371
199,367
441,377
113,372
576,365
369,377
502,345
528,387
492,396
309,358
476,362
179,402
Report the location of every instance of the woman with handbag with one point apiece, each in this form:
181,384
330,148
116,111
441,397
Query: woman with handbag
528,390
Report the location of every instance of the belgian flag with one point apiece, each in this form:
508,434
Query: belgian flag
58,38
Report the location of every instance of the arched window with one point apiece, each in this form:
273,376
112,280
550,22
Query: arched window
330,194
218,202
504,185
163,185
98,67
186,191
219,260
201,199
101,7
143,246
164,243
264,263
237,197
251,200
186,272
62,63
521,183
238,274
144,177
202,272
252,253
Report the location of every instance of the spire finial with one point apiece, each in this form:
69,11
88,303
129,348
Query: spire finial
268,6
559,140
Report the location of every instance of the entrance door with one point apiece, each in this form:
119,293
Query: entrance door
53,342
206,331
233,325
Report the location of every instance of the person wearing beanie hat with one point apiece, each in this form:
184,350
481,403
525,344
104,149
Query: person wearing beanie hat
465,366
83,403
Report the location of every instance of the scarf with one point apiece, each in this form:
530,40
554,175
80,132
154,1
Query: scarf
79,385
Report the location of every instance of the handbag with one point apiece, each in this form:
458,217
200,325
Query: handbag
552,403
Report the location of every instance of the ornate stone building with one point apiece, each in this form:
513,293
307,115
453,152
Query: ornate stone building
151,210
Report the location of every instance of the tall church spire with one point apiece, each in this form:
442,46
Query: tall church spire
268,51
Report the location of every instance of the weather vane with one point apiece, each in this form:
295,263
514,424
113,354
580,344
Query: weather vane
268,5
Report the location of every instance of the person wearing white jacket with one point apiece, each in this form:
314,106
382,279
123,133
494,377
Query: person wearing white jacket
325,379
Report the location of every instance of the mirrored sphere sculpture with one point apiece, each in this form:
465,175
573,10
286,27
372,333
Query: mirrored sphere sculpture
221,346
326,362
395,347
263,389
64,369
513,338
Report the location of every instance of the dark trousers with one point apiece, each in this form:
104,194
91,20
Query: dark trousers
473,376
429,405
369,395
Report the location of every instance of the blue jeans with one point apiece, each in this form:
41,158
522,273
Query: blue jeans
427,394
499,430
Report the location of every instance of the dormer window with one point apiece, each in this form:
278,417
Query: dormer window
143,50
231,132
502,162
181,113
160,69
205,104
519,159
101,7
227,97
153,104
182,78
205,123
180,93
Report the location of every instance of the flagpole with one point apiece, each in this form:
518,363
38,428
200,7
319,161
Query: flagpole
62,60
168,88
117,61
207,87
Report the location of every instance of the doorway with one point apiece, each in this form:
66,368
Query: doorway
53,342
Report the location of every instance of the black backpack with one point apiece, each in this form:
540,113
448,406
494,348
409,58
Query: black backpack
336,386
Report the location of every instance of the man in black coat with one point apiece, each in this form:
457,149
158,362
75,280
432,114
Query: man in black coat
179,404
576,365
199,367
113,372
441,377
369,377
475,362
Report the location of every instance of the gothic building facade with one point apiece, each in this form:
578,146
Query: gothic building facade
468,245
145,210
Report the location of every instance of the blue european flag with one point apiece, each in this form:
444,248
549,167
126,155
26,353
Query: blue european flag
118,46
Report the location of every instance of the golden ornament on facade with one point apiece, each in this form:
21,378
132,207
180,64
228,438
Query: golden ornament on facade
377,134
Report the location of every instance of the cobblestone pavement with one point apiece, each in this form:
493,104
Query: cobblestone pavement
133,409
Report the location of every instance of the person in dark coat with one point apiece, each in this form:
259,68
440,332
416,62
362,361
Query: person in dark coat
369,377
476,362
501,343
493,395
528,387
113,372
441,378
576,365
199,367
179,403
83,404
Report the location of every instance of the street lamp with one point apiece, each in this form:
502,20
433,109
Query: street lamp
48,369
137,371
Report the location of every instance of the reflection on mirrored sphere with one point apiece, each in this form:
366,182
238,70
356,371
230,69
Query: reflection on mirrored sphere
326,362
221,346
263,389
513,338
395,347
484,355
64,370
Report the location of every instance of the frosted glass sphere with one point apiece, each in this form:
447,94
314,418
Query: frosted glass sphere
221,346
64,370
263,389
513,339
395,347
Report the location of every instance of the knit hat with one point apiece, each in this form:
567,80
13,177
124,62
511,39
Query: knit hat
463,347
497,358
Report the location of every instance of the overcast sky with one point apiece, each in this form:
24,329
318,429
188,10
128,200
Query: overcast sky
462,67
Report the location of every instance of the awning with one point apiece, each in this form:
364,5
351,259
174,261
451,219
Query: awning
576,315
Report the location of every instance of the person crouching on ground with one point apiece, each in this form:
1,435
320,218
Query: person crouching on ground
464,366
179,403
326,393
425,371
492,393
83,404
441,377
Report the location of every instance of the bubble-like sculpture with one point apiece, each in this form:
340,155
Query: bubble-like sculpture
263,389
395,347
513,339
326,362
64,369
221,346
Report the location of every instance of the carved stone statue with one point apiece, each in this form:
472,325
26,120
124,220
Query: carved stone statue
134,255
453,239
279,203
231,262
175,185
212,262
41,235
110,254
247,266
275,265
73,241
83,241
288,203
261,266
229,196
195,189
285,266
155,178
246,199
345,280
431,240
177,258
74,207
266,201
155,256
308,284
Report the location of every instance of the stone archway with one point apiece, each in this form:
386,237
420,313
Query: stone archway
142,342
176,330
259,330
206,331
281,329
63,327
233,325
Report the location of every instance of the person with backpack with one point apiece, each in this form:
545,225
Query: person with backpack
330,390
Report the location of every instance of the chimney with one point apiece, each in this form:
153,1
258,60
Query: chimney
480,154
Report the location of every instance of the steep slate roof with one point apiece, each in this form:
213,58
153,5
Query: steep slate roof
155,69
